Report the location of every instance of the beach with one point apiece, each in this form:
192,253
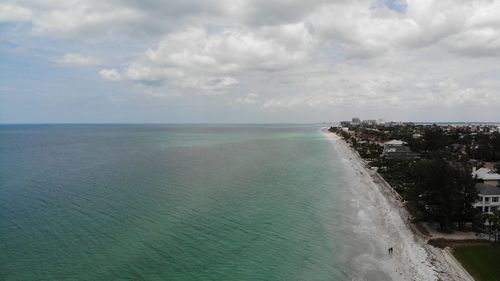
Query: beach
383,215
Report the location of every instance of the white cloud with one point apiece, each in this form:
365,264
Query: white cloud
196,58
11,12
248,99
478,42
210,83
110,74
363,25
298,55
232,49
72,18
360,29
76,59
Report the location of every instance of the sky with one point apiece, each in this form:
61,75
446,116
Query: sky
248,61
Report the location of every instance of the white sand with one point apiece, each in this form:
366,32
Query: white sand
382,215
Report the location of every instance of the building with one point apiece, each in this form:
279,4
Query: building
398,152
369,122
345,123
355,121
396,149
487,176
489,198
394,143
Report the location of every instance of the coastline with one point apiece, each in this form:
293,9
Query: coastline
413,259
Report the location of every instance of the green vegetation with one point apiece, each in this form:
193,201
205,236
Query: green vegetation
443,243
442,193
492,221
481,261
434,187
436,184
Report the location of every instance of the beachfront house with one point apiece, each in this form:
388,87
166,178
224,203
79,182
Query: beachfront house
487,176
489,198
393,143
396,150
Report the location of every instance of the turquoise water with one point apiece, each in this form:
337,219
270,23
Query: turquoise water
163,202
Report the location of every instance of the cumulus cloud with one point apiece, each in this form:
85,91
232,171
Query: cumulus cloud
110,74
76,59
72,18
445,93
13,13
232,49
476,42
210,83
198,58
360,31
366,24
298,55
248,99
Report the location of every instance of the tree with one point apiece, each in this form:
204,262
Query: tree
465,186
495,224
497,166
434,138
443,193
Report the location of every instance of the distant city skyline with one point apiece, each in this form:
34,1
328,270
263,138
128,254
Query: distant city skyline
249,61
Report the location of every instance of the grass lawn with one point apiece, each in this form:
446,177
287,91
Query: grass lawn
482,261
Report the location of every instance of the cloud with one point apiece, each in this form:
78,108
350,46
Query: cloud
387,87
248,99
210,83
363,30
360,28
77,59
12,13
110,74
72,18
199,59
278,12
232,49
298,55
475,43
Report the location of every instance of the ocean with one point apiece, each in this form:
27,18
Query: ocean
177,202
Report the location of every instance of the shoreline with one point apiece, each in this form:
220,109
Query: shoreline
416,260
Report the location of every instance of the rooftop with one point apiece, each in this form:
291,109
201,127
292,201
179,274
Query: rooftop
486,174
394,142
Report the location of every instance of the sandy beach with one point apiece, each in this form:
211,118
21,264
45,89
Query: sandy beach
382,215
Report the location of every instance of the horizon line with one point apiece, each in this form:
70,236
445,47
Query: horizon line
235,123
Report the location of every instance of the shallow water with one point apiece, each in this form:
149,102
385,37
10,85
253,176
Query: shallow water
165,202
